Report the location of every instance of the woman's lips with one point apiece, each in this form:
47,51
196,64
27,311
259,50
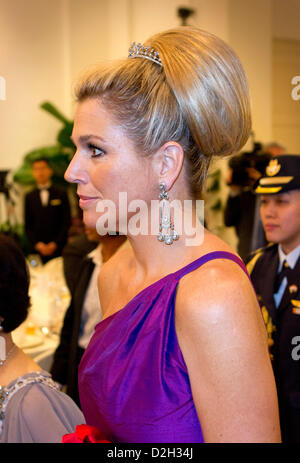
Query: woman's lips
270,227
85,201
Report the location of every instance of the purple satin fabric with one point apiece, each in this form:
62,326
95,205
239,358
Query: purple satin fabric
133,381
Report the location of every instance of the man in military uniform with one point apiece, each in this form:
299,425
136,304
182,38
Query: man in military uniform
275,273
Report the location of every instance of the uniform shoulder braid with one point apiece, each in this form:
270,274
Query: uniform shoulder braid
255,255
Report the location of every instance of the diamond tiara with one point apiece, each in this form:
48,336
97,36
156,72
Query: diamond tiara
137,50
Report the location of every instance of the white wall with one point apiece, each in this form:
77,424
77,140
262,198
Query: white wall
31,61
286,110
102,30
212,16
286,19
286,65
250,34
47,43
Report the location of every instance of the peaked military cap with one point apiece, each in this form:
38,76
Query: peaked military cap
282,174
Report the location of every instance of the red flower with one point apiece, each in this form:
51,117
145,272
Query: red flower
85,434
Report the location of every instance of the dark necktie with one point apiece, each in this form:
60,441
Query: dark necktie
285,270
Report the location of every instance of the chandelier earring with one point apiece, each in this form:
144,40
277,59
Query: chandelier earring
2,346
3,355
166,234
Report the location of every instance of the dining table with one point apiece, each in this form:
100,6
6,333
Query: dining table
39,335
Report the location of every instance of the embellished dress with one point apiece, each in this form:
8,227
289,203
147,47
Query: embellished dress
133,381
34,410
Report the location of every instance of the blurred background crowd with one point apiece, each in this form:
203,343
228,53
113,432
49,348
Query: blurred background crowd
39,210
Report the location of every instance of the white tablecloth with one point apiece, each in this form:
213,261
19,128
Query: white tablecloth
38,336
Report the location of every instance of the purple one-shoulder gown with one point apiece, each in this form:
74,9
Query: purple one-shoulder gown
133,380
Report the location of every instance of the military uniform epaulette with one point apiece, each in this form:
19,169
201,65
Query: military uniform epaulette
255,255
268,247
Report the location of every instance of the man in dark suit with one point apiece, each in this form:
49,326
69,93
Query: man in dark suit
275,273
239,213
84,311
241,210
47,214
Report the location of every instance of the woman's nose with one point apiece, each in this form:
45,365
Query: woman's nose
270,210
75,172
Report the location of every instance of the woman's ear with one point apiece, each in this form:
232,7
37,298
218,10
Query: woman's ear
170,163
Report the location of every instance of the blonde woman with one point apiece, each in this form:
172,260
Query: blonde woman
181,354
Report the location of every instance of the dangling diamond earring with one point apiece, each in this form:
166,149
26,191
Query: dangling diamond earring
167,233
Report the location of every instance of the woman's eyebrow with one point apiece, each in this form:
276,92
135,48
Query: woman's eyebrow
85,138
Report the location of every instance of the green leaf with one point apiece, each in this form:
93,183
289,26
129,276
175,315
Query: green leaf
51,109
217,206
58,155
215,173
64,135
215,186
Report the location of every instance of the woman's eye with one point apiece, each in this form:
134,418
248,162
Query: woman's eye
282,201
95,151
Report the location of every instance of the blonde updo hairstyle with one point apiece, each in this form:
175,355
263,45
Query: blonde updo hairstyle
198,98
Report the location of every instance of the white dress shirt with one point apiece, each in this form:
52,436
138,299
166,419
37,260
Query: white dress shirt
91,312
291,259
44,193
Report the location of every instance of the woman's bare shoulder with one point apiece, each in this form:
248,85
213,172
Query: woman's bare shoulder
223,340
215,290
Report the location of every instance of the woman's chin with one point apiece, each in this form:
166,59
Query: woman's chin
89,220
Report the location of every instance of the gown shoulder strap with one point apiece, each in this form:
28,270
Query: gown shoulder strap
211,256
